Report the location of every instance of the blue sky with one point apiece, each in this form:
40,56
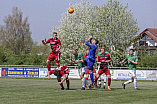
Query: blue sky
43,14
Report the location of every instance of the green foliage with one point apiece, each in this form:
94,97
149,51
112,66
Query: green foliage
147,59
25,60
2,55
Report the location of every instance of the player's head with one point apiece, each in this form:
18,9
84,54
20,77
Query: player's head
103,46
102,50
95,41
56,72
74,52
131,51
54,35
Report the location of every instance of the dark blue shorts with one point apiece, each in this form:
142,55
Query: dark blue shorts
89,63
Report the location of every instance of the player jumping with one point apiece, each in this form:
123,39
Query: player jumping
55,54
90,60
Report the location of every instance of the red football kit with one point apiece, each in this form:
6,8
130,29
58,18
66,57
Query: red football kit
62,70
54,43
104,65
103,68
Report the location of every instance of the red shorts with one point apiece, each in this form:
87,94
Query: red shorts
87,71
54,56
107,72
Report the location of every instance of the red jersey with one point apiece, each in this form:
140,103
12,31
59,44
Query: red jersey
85,56
54,43
102,58
63,68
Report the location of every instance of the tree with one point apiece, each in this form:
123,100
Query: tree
116,27
16,35
2,55
111,24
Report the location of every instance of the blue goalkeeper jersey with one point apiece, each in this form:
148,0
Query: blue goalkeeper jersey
92,51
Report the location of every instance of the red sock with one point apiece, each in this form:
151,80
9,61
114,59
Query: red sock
86,79
68,82
109,81
95,80
62,85
48,67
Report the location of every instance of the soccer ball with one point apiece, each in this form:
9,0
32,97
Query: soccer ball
70,10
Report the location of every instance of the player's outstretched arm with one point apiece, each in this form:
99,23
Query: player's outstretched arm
89,38
133,62
87,43
121,62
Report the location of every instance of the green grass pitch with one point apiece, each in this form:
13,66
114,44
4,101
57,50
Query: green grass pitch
43,91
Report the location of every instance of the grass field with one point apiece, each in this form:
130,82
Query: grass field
39,91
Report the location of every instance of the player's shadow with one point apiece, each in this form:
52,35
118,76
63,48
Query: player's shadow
112,89
82,90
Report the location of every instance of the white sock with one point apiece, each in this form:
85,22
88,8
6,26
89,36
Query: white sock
108,86
83,82
135,83
99,81
127,82
99,78
105,78
87,82
104,83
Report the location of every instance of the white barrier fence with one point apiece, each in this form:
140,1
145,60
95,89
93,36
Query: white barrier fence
116,73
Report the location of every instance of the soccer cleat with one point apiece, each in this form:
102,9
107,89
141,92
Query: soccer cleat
62,88
46,75
137,89
123,85
104,86
109,88
67,89
99,85
92,86
82,88
89,87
